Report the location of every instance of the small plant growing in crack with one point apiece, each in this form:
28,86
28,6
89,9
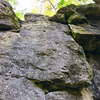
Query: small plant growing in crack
83,29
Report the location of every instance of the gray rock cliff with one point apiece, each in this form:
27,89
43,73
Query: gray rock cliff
51,59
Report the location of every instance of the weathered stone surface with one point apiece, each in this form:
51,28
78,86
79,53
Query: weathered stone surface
69,10
60,18
94,61
8,19
43,54
61,95
87,36
91,11
70,94
44,62
95,24
77,18
51,62
12,88
31,17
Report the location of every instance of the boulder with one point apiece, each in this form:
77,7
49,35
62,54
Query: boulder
91,11
12,88
60,18
87,36
8,19
69,10
77,18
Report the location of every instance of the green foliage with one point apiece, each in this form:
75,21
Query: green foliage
49,6
20,14
13,2
35,11
64,3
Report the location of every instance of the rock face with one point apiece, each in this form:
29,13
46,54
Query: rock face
46,55
94,61
8,19
97,1
77,18
46,61
87,36
78,15
91,11
60,18
69,10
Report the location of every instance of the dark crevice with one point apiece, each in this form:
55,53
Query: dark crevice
91,52
53,85
5,28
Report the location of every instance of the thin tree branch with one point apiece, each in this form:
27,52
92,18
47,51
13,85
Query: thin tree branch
50,3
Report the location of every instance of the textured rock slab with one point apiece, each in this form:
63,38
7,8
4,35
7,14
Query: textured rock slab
91,11
8,19
51,60
19,89
70,94
47,55
94,61
35,17
87,36
61,95
30,17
